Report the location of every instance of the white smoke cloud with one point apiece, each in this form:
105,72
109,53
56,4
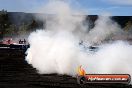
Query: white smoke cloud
114,58
56,49
59,35
104,29
53,53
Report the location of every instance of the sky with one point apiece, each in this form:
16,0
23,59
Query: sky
92,7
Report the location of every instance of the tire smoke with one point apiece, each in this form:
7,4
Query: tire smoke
56,49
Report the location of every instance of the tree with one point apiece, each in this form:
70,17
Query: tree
33,25
11,30
128,26
4,22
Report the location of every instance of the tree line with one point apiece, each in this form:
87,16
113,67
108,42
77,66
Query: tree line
9,29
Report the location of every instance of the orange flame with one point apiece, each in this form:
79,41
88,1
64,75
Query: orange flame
81,71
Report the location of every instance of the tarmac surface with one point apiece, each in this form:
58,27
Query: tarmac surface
15,72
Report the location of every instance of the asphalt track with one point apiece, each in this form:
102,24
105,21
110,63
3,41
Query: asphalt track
15,72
